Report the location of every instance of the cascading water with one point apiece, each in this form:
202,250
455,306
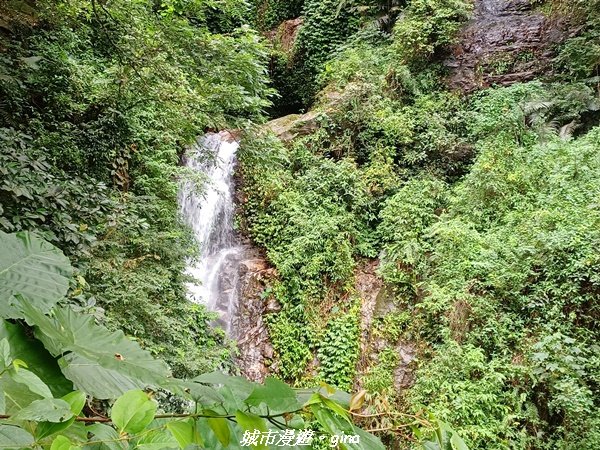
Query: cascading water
210,214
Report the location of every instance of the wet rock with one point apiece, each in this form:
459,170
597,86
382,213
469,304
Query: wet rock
384,302
255,265
230,135
507,41
255,349
377,300
404,373
272,306
267,350
368,285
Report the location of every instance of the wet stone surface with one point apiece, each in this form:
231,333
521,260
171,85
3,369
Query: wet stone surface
507,41
255,349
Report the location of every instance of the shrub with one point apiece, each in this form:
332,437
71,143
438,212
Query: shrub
428,25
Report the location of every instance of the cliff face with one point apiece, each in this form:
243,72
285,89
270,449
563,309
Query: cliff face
507,41
376,302
255,350
284,36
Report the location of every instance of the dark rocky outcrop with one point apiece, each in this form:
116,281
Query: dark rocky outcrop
507,41
376,302
284,36
255,350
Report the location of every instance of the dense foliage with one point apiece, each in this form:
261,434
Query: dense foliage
479,213
268,14
55,362
98,101
295,67
482,213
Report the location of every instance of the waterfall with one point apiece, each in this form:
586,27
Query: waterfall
210,214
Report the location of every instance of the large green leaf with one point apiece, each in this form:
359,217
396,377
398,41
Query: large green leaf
76,401
330,421
457,442
49,409
202,394
14,437
104,437
99,362
100,382
220,427
276,395
63,443
251,422
367,440
233,389
38,360
241,386
19,386
157,440
133,411
33,268
16,395
184,431
31,380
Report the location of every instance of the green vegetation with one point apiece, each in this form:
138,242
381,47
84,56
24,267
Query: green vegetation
338,351
55,360
97,103
268,14
580,55
428,26
478,329
482,213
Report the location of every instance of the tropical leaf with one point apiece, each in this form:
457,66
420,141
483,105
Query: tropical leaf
33,268
220,428
157,440
234,389
63,443
251,422
38,360
95,380
101,363
32,381
457,442
184,431
49,410
276,395
202,394
16,395
76,401
133,411
105,437
14,437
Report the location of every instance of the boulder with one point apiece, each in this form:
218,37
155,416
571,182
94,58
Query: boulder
288,128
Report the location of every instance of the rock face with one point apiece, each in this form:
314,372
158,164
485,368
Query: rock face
289,127
255,350
368,285
376,303
284,36
507,41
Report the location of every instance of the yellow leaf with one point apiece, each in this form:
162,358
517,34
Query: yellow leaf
357,400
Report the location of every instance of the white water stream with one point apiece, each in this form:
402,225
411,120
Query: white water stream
210,214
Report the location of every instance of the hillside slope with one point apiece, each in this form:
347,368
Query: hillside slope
460,157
